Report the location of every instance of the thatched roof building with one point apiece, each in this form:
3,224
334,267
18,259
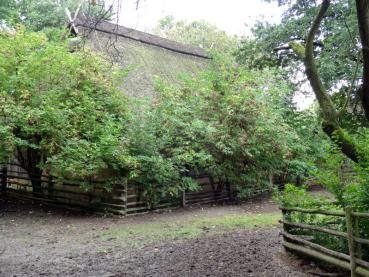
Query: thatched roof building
143,54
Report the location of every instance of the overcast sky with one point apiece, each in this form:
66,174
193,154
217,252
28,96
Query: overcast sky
228,15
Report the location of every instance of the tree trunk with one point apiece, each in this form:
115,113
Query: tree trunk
30,159
362,7
4,180
331,124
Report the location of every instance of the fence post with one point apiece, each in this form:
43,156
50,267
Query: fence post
4,179
125,185
50,187
271,183
183,199
230,192
285,217
350,239
357,234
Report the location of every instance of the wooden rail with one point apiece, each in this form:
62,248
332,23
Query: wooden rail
67,193
352,261
125,199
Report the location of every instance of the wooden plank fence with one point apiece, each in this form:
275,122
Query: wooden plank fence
351,261
67,193
125,198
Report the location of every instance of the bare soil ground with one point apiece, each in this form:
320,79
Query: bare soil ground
39,241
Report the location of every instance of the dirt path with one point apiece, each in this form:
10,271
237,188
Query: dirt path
237,240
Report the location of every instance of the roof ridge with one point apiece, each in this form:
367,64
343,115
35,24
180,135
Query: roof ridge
143,37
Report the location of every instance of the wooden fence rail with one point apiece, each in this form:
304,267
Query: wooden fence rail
125,198
352,261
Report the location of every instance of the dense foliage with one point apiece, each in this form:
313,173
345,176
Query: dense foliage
35,15
339,66
199,33
229,122
236,124
60,111
336,60
330,39
337,49
50,16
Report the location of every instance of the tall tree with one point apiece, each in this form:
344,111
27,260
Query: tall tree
38,15
331,116
336,45
330,40
199,33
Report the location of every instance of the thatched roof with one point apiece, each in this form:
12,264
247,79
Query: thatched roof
145,55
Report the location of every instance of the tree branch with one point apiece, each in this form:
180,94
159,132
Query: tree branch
362,8
349,91
330,115
324,100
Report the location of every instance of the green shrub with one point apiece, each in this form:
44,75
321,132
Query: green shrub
60,111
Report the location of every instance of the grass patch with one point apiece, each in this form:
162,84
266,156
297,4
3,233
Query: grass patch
137,235
104,250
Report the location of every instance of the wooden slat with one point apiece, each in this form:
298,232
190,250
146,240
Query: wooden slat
207,196
214,195
323,257
365,215
314,211
112,205
207,193
129,204
190,194
23,173
23,178
362,241
29,195
137,209
315,228
353,262
362,263
315,246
